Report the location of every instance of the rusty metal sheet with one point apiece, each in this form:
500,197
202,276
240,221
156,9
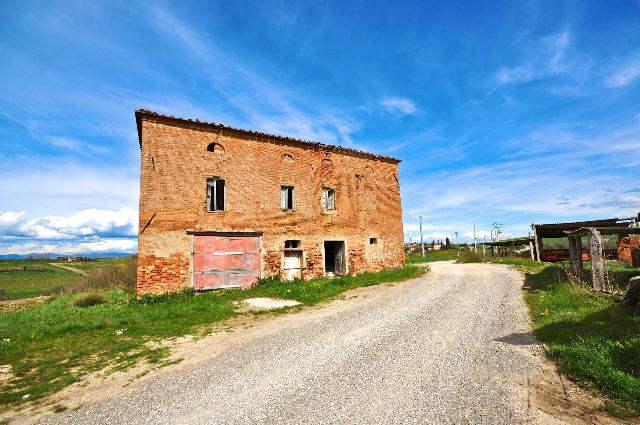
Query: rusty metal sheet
225,261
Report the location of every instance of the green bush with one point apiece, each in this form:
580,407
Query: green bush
469,257
108,277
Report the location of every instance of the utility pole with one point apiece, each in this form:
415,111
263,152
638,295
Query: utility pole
496,230
475,244
421,242
457,244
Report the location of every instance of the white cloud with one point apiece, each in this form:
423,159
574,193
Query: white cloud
546,58
63,187
84,223
544,182
482,235
624,75
266,105
70,248
399,104
76,145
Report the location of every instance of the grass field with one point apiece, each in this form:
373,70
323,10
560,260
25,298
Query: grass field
593,339
50,346
33,278
443,255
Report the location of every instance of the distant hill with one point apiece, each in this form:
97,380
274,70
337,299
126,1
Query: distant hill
54,256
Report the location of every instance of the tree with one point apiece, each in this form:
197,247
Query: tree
447,243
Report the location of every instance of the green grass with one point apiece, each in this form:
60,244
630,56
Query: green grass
91,265
55,344
593,339
430,256
38,278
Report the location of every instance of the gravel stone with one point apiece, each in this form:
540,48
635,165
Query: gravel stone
451,347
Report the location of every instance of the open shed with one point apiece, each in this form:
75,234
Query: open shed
560,230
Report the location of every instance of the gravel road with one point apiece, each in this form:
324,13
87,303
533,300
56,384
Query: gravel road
451,347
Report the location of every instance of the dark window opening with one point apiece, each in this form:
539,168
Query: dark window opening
373,241
286,197
328,199
292,244
215,195
215,147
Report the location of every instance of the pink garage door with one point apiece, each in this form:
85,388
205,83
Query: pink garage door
225,261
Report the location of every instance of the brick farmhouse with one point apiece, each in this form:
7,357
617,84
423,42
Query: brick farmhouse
221,207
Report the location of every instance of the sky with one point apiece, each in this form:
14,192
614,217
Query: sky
509,112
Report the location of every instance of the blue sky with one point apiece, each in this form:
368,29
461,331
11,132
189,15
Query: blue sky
515,112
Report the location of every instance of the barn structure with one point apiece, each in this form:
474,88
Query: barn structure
561,231
221,207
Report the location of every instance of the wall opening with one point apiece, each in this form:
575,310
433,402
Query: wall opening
373,241
292,244
215,194
215,148
286,197
334,258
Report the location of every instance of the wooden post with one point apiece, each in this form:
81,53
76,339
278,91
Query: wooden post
597,259
539,246
532,251
575,253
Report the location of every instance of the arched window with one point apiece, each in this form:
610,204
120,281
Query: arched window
286,158
215,148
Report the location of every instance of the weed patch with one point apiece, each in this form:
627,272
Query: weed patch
591,336
89,300
430,256
469,257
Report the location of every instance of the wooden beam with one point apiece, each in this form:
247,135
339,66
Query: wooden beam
597,259
539,246
575,254
585,231
532,250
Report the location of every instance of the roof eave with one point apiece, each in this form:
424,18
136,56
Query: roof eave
143,113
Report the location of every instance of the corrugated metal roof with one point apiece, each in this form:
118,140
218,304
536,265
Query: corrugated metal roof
556,230
143,113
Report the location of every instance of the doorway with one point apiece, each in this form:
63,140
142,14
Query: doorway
334,258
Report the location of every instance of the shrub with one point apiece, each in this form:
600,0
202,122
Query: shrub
165,296
108,277
469,257
3,295
88,300
57,290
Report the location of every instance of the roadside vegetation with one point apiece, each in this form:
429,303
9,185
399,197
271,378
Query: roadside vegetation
98,323
593,338
430,256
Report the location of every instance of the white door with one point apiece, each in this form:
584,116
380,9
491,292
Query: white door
292,265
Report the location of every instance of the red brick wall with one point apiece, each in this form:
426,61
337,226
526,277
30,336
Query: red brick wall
625,245
175,166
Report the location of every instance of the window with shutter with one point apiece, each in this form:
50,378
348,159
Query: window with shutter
286,197
215,194
328,199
